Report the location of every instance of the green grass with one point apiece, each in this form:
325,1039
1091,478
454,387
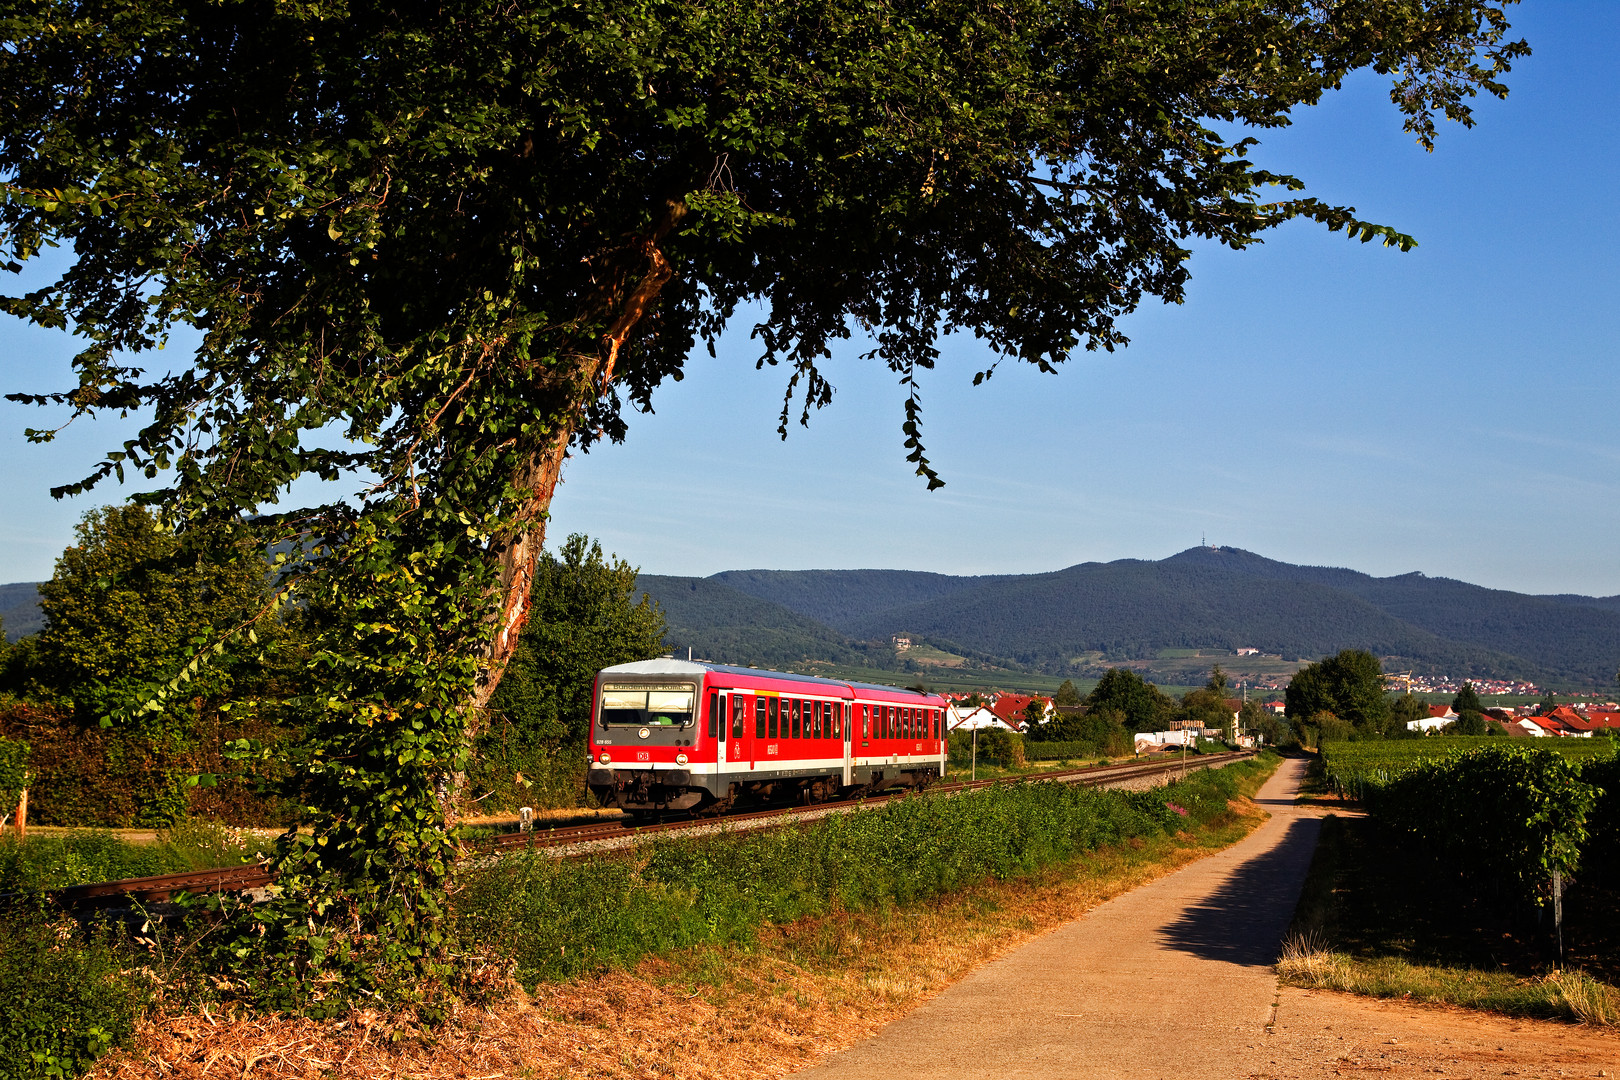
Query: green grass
60,860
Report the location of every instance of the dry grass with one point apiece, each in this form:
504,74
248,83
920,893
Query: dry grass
805,990
1567,994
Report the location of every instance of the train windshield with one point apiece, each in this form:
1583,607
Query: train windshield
647,706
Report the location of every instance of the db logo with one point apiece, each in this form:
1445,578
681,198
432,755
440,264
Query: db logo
771,749
642,755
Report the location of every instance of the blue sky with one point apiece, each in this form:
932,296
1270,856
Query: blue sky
1449,409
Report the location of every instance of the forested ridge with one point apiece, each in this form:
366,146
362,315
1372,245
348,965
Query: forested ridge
1219,598
1215,598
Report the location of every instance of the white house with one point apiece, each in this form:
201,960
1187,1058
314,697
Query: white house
965,719
1149,740
1437,719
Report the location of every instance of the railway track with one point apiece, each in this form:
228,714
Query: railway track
590,839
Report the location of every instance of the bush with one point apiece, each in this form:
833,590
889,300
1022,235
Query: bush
552,919
1511,813
996,747
64,998
1062,751
1602,851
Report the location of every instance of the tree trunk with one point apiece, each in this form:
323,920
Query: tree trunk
541,470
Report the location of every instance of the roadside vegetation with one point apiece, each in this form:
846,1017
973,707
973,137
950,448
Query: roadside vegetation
740,952
541,920
1485,876
57,861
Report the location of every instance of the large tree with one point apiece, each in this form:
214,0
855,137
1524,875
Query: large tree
1144,706
432,247
1349,684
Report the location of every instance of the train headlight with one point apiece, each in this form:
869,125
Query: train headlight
605,758
680,759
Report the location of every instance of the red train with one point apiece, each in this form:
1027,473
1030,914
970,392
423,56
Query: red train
688,735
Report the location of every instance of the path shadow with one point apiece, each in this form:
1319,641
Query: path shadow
1243,921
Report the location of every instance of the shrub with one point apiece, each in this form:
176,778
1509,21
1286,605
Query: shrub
996,747
64,997
1512,813
1602,852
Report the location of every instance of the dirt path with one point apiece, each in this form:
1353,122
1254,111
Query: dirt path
1174,980
1324,1034
1171,980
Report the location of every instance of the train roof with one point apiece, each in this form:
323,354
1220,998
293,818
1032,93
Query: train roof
666,665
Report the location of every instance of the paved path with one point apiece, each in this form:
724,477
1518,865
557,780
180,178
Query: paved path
1173,980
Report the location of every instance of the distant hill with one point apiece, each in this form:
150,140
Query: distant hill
718,622
847,599
19,607
1210,598
1061,622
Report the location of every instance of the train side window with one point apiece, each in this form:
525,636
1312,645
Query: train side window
798,719
759,717
838,719
866,722
907,719
776,708
710,724
935,719
817,717
739,715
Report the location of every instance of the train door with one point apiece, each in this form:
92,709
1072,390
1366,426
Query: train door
739,728
716,727
846,740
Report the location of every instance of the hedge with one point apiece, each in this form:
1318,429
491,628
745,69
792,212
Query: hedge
1512,813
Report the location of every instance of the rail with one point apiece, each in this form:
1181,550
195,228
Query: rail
163,887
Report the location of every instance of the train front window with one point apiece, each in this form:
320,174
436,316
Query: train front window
627,706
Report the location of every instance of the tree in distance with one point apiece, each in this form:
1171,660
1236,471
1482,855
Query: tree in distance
1206,707
1324,727
1466,700
1144,706
433,248
1405,711
133,598
1350,685
1068,695
583,616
